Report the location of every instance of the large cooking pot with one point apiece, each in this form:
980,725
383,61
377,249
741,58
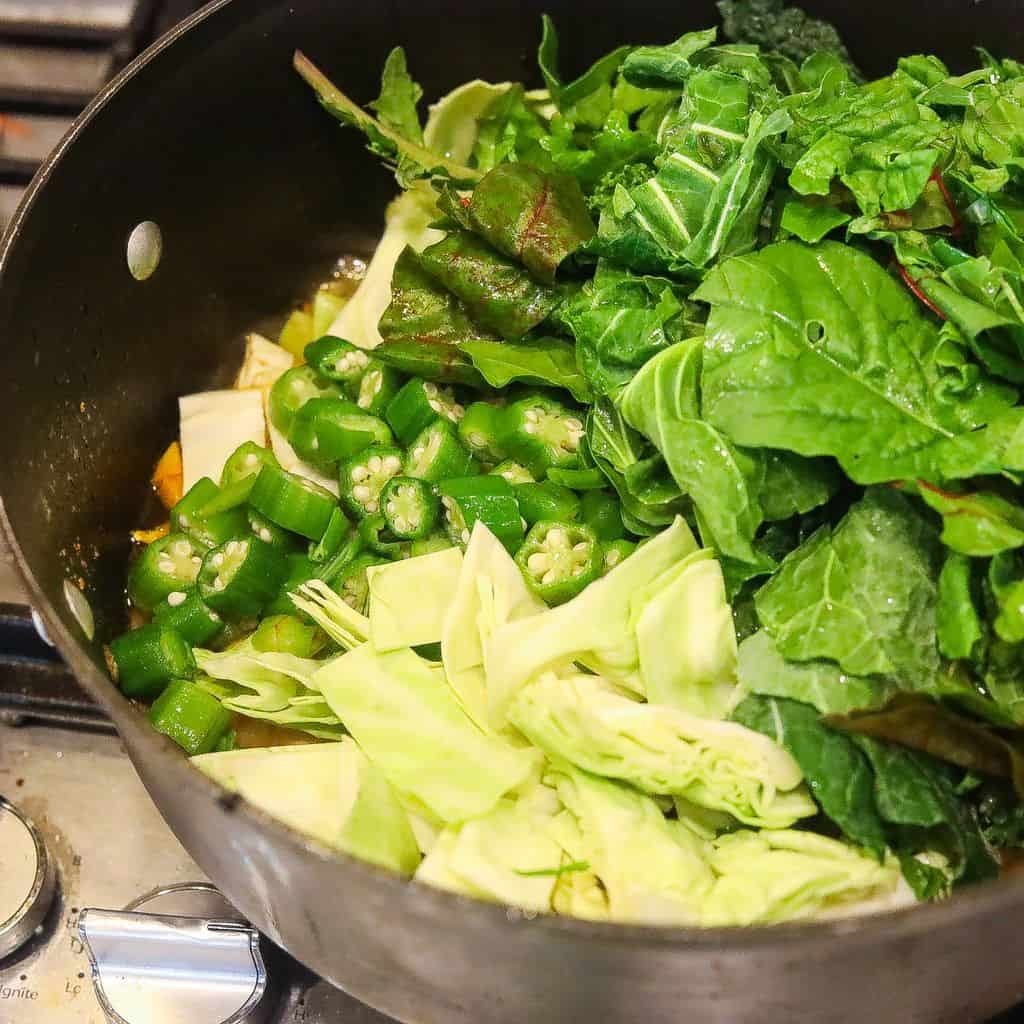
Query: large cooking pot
213,137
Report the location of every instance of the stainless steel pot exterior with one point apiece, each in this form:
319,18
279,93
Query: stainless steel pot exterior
211,137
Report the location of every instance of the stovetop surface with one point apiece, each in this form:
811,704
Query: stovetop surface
111,846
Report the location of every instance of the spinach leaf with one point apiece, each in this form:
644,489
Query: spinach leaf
545,361
666,67
511,130
863,594
837,772
819,351
534,217
722,480
922,724
822,684
499,294
957,623
793,485
993,125
620,320
1006,585
976,524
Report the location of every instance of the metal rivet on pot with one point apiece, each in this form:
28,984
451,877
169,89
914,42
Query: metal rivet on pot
78,605
145,247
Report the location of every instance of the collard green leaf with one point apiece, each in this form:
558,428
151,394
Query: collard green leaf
819,351
534,217
666,67
837,772
922,724
498,294
977,524
957,623
620,320
546,361
721,480
822,684
863,594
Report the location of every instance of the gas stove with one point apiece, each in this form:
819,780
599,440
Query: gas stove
103,915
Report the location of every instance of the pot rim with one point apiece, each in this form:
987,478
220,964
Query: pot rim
975,903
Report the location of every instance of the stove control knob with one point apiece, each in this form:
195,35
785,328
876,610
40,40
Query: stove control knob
27,879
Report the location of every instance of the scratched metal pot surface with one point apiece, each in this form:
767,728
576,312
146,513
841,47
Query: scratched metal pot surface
212,137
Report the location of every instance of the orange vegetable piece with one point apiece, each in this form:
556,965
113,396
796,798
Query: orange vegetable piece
167,477
148,536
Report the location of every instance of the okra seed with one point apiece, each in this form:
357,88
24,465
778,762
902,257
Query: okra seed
265,535
458,411
531,415
578,571
418,453
581,548
374,464
391,508
392,464
218,559
477,440
430,390
372,506
402,523
214,617
218,583
530,428
549,577
359,474
232,548
165,565
539,562
361,493
557,538
574,424
181,548
197,561
178,597
449,503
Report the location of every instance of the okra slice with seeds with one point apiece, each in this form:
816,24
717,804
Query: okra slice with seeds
293,502
327,430
188,614
480,431
339,361
240,578
613,552
352,586
292,390
363,477
437,454
417,405
168,565
379,385
489,499
513,472
559,560
245,462
410,507
377,538
541,434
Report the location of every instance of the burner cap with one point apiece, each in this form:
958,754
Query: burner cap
26,881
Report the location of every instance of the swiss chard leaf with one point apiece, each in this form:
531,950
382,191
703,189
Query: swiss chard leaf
620,320
545,361
977,524
863,594
532,216
838,774
722,481
819,351
793,485
498,294
811,222
922,724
